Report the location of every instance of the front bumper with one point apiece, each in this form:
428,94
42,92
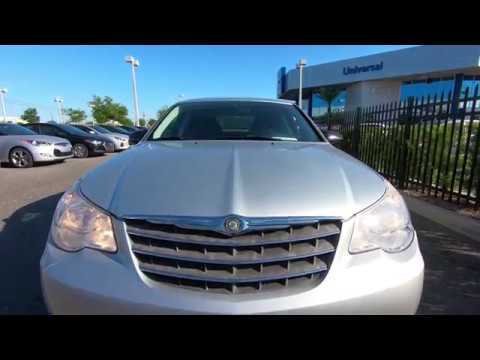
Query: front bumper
92,282
110,147
97,149
52,153
121,145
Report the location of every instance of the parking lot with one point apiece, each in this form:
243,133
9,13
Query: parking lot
28,198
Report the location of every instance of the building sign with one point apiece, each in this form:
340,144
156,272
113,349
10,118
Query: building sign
360,69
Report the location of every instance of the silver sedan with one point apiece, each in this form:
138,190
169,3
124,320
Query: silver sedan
22,148
232,206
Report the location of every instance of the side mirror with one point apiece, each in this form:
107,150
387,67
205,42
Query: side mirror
334,137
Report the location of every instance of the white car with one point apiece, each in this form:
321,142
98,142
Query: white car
22,147
120,140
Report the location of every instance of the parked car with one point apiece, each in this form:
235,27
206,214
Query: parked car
22,148
120,141
137,136
232,206
83,144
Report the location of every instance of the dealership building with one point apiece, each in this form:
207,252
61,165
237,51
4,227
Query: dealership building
385,77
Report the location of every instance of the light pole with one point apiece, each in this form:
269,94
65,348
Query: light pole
3,92
59,102
92,106
301,63
134,64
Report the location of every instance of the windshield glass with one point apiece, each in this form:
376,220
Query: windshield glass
72,130
128,129
116,129
85,129
235,120
12,129
102,130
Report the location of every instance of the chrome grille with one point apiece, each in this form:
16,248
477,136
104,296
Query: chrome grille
297,256
57,152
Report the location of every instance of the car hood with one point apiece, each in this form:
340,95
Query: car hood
50,139
246,178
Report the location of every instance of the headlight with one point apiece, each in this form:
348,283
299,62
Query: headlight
77,224
386,225
119,138
37,142
94,142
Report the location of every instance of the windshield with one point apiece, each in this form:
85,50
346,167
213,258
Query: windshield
128,129
235,120
72,130
102,130
85,129
116,129
12,129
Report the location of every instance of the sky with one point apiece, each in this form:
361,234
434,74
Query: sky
35,75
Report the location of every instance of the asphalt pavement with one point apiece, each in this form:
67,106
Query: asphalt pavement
28,198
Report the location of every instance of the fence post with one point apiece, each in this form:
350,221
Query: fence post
404,148
356,133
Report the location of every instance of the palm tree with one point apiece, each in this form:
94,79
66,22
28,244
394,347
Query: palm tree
329,94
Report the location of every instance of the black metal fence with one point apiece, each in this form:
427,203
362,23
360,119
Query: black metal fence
428,144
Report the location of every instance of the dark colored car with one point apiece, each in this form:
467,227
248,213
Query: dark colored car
83,144
137,136
110,143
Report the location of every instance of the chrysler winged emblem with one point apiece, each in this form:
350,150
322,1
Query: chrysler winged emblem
234,225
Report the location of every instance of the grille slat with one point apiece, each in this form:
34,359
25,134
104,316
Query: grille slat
283,255
295,256
274,237
234,278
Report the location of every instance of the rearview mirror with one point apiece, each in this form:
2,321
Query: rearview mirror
334,137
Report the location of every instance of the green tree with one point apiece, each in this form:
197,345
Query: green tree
162,112
105,110
329,94
76,115
31,115
151,122
142,122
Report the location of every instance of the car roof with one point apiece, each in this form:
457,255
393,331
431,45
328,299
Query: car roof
246,99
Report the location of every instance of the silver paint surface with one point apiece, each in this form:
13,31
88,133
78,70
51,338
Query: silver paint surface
245,178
